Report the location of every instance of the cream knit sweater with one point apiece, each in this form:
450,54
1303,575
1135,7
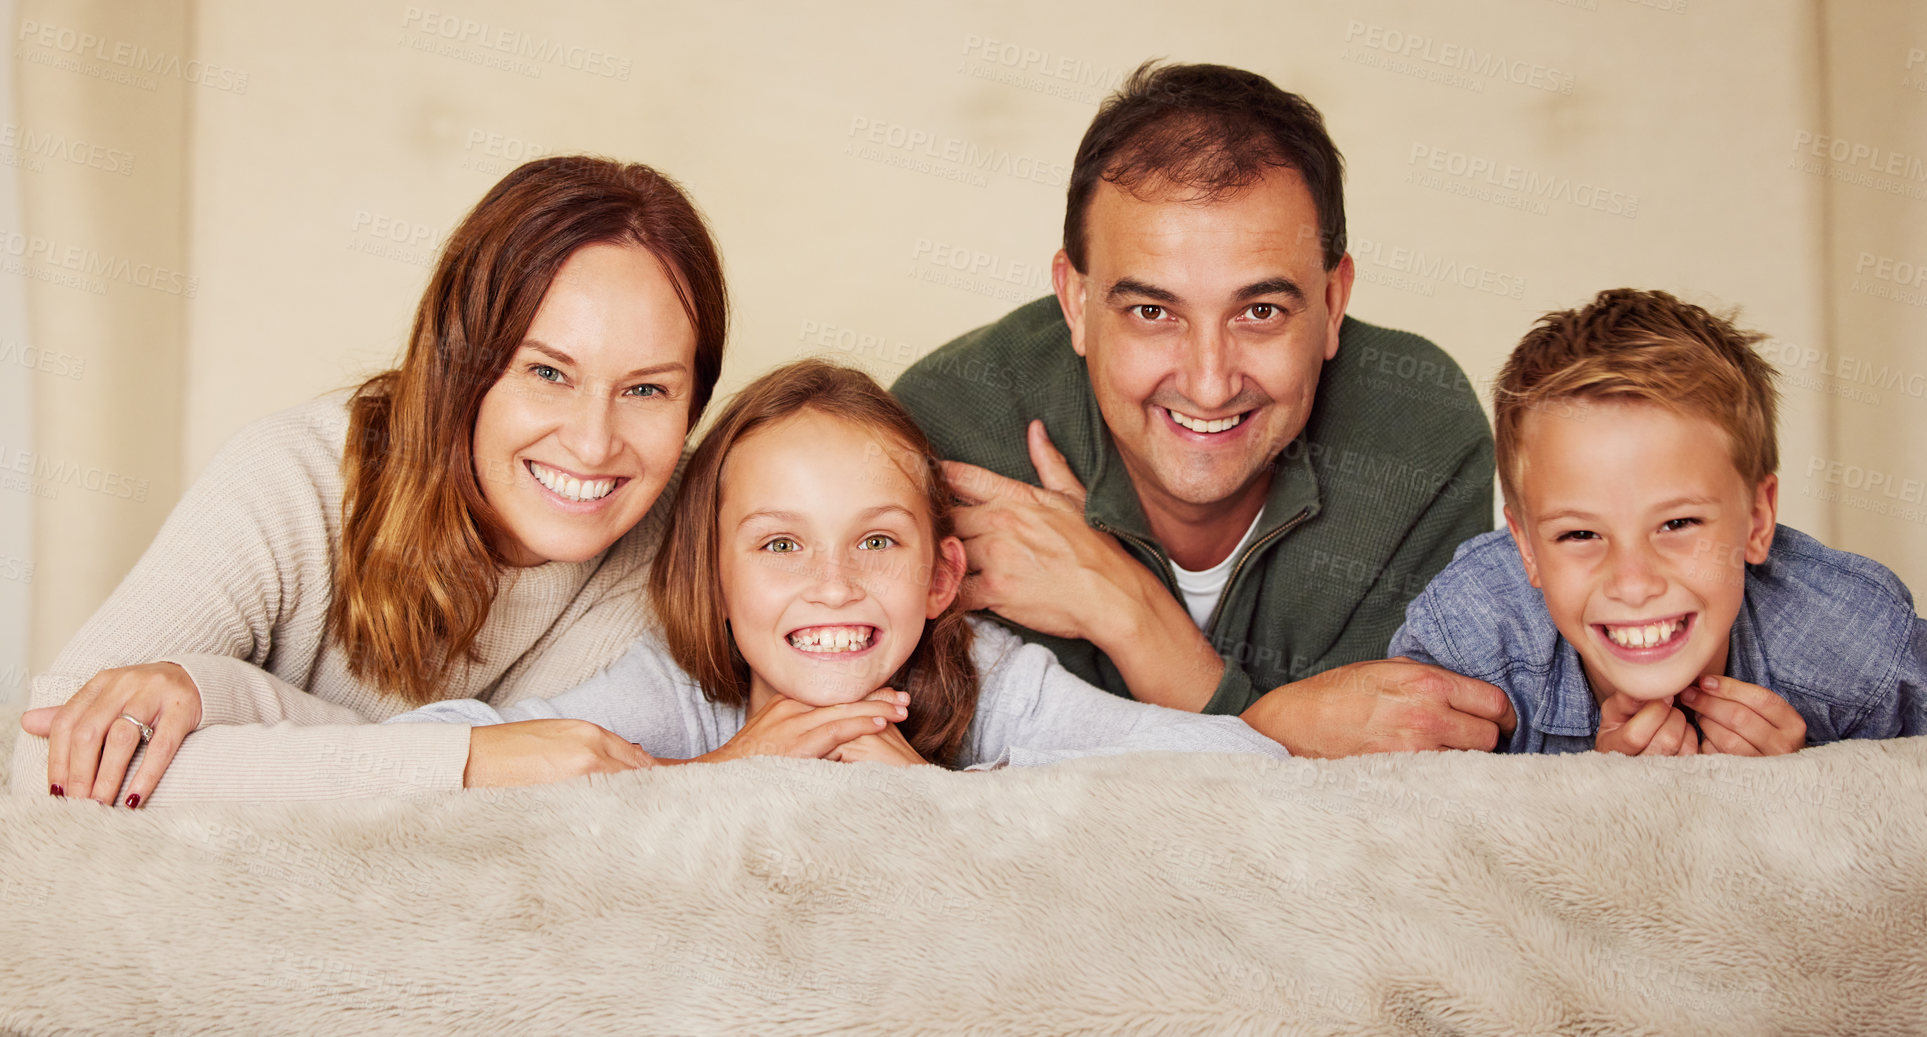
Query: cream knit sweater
235,588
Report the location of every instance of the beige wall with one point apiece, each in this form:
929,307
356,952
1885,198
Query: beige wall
318,134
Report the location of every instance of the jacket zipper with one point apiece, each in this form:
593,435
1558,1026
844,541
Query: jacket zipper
1211,627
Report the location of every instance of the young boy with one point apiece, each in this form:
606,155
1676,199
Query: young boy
1646,602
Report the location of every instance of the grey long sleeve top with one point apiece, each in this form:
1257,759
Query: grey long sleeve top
1030,710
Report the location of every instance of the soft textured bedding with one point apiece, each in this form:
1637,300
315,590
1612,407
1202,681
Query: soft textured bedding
1421,894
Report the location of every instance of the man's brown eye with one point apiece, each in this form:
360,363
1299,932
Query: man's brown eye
1150,312
1261,311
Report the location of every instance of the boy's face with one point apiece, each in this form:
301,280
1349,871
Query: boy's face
1634,523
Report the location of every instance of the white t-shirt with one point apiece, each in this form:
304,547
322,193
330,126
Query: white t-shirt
1202,589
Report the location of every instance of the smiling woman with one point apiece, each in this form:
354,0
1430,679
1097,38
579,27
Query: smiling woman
473,523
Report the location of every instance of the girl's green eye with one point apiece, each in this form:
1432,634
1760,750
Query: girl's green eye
877,542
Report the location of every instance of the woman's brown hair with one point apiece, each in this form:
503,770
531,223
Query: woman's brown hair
686,583
417,570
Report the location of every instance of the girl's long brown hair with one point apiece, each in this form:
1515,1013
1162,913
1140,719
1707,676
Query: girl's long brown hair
417,570
686,583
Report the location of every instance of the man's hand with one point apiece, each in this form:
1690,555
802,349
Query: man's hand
1636,728
1034,560
1388,705
1032,557
1744,719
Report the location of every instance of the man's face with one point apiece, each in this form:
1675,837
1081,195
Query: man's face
1204,326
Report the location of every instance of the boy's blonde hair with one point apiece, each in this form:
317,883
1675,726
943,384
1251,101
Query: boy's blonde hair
1640,345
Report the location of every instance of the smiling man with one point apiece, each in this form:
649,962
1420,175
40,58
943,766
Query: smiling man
1269,481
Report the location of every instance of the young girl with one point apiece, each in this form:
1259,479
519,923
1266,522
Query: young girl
808,595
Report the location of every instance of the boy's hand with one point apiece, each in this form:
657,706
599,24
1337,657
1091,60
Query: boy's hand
1744,719
886,746
1657,728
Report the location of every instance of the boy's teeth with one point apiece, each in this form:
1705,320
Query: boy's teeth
1644,636
569,486
832,639
1201,425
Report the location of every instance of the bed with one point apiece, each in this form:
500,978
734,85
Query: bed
1443,893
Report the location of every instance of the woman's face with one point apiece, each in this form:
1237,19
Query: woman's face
581,432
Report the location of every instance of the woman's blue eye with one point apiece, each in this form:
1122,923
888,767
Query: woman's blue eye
546,373
781,545
877,542
644,390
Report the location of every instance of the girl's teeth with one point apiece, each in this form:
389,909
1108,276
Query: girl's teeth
832,639
1644,636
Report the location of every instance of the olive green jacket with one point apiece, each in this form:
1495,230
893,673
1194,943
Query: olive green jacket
1392,471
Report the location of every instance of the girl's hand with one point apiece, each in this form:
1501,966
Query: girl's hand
886,746
1744,719
786,727
1657,728
537,752
89,745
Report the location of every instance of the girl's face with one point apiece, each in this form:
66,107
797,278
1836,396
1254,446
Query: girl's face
579,435
828,562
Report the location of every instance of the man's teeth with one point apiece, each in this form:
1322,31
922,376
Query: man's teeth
569,486
1644,636
1201,425
832,639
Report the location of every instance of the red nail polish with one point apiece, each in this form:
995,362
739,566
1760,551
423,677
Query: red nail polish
55,790
133,800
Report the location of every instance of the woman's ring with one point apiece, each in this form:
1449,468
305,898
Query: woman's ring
146,732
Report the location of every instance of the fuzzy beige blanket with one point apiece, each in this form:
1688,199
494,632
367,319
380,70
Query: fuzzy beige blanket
1420,894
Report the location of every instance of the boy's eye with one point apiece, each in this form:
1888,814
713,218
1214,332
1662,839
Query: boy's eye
1675,525
782,545
1575,534
877,542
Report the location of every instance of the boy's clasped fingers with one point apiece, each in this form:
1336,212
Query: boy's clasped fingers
1745,719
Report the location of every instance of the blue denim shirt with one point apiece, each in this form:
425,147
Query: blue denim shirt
1832,632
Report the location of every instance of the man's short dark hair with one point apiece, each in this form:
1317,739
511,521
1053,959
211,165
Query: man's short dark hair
1212,130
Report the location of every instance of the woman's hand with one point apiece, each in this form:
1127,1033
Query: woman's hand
537,752
786,727
89,744
886,746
